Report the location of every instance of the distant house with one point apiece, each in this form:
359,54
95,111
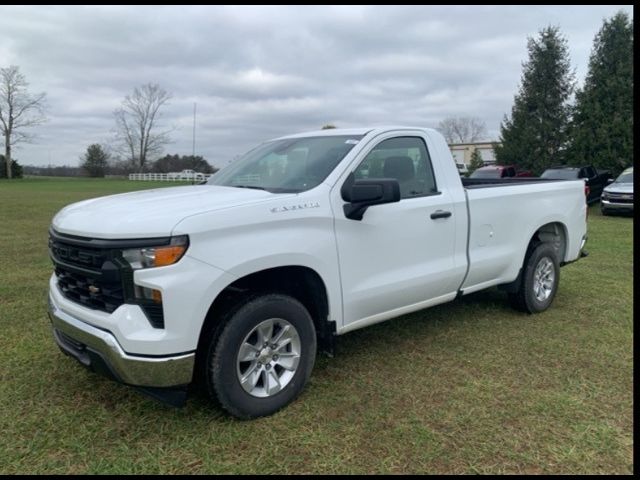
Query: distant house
461,152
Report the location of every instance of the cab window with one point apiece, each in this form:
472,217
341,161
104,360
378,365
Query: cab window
405,159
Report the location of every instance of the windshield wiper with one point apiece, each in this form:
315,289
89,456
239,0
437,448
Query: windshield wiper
255,187
270,189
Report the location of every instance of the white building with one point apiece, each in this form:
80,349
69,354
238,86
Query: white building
461,152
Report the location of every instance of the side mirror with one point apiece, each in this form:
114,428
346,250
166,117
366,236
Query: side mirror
609,181
361,194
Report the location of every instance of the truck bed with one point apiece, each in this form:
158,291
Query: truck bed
503,220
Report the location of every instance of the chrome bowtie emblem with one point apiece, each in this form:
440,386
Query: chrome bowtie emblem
93,289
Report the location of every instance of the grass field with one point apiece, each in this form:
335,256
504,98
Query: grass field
471,386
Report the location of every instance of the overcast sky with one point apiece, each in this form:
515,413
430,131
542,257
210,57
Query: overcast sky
262,72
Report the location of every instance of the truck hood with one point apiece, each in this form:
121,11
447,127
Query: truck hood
619,188
149,213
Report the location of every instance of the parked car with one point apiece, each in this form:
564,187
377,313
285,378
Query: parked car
239,282
499,171
595,180
462,169
186,175
618,196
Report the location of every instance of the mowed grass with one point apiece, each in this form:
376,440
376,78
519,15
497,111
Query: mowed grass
467,387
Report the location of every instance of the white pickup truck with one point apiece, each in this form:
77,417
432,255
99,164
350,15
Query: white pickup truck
236,284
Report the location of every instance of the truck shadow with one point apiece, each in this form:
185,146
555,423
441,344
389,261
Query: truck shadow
422,324
357,348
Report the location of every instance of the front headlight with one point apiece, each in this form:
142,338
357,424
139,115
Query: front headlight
159,256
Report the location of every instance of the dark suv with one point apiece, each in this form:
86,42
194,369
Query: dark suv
594,179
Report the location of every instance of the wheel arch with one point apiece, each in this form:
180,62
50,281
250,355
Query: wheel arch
300,282
554,233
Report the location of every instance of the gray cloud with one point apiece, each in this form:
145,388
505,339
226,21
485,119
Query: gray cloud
262,72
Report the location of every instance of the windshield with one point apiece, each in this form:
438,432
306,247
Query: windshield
287,165
492,173
625,178
564,174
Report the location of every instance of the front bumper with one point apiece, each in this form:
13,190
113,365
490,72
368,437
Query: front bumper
616,206
99,350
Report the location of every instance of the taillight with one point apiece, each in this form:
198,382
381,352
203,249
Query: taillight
586,198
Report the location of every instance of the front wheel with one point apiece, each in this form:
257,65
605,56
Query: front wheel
541,276
263,357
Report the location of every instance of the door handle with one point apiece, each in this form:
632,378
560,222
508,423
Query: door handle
440,214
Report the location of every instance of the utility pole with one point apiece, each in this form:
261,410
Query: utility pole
193,151
193,146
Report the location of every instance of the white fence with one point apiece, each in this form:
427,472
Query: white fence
168,177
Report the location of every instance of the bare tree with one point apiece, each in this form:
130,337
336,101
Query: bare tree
137,123
462,129
18,110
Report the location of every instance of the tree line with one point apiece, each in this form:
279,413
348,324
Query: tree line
97,162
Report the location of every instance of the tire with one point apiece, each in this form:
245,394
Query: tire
603,210
273,378
536,294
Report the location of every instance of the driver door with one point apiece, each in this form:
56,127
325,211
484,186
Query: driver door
400,256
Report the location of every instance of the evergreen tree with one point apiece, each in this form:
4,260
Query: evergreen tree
603,121
95,161
476,161
16,168
176,163
536,135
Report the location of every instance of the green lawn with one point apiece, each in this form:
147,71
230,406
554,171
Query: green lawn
471,386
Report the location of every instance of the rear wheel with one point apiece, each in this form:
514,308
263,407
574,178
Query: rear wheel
541,276
263,357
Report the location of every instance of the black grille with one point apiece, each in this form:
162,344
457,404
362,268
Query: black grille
84,257
94,274
619,197
90,292
87,275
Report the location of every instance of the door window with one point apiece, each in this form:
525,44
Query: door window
405,159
